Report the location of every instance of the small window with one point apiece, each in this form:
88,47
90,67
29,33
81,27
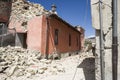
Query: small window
77,41
56,37
69,39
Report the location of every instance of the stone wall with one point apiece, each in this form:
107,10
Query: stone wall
22,12
107,36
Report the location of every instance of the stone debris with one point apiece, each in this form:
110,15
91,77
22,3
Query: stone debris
23,10
18,62
22,64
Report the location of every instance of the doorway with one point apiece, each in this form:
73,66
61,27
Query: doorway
21,40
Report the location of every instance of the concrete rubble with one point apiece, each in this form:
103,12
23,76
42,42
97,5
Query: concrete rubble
18,62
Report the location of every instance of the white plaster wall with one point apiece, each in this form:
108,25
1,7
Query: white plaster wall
107,32
94,12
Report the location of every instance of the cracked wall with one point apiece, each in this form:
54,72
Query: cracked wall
22,12
107,36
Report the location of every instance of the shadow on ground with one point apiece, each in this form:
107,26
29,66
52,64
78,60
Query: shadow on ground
88,66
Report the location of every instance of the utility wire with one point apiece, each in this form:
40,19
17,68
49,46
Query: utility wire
86,11
102,3
85,17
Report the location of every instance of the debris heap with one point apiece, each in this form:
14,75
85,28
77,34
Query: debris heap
19,62
23,10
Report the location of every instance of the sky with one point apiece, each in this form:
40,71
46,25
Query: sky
75,12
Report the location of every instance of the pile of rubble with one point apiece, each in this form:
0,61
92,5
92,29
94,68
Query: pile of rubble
19,62
23,10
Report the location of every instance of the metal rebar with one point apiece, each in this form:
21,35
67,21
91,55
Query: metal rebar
101,42
114,41
2,36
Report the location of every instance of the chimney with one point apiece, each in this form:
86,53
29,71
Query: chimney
53,9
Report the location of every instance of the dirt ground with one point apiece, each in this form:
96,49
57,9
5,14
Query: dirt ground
77,67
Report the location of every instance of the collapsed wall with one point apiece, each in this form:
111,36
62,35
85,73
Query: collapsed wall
23,10
107,36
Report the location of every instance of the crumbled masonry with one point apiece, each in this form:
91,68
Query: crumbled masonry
16,61
23,11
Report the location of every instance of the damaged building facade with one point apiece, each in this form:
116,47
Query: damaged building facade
107,20
39,29
7,36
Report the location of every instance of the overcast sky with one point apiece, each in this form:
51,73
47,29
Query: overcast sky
75,12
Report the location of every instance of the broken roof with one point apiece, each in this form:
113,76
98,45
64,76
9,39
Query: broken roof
24,10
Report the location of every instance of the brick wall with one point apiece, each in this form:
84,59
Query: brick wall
82,35
41,31
64,31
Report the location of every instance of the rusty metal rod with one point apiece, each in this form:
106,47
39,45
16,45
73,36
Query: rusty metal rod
114,41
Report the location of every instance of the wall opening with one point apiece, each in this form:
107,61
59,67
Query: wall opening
69,39
77,41
7,36
56,37
21,40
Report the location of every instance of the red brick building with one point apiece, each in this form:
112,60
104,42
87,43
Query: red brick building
82,39
50,34
47,33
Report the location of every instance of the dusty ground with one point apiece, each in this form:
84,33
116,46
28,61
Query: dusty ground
78,67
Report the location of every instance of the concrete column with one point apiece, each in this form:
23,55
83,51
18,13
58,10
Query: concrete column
107,31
